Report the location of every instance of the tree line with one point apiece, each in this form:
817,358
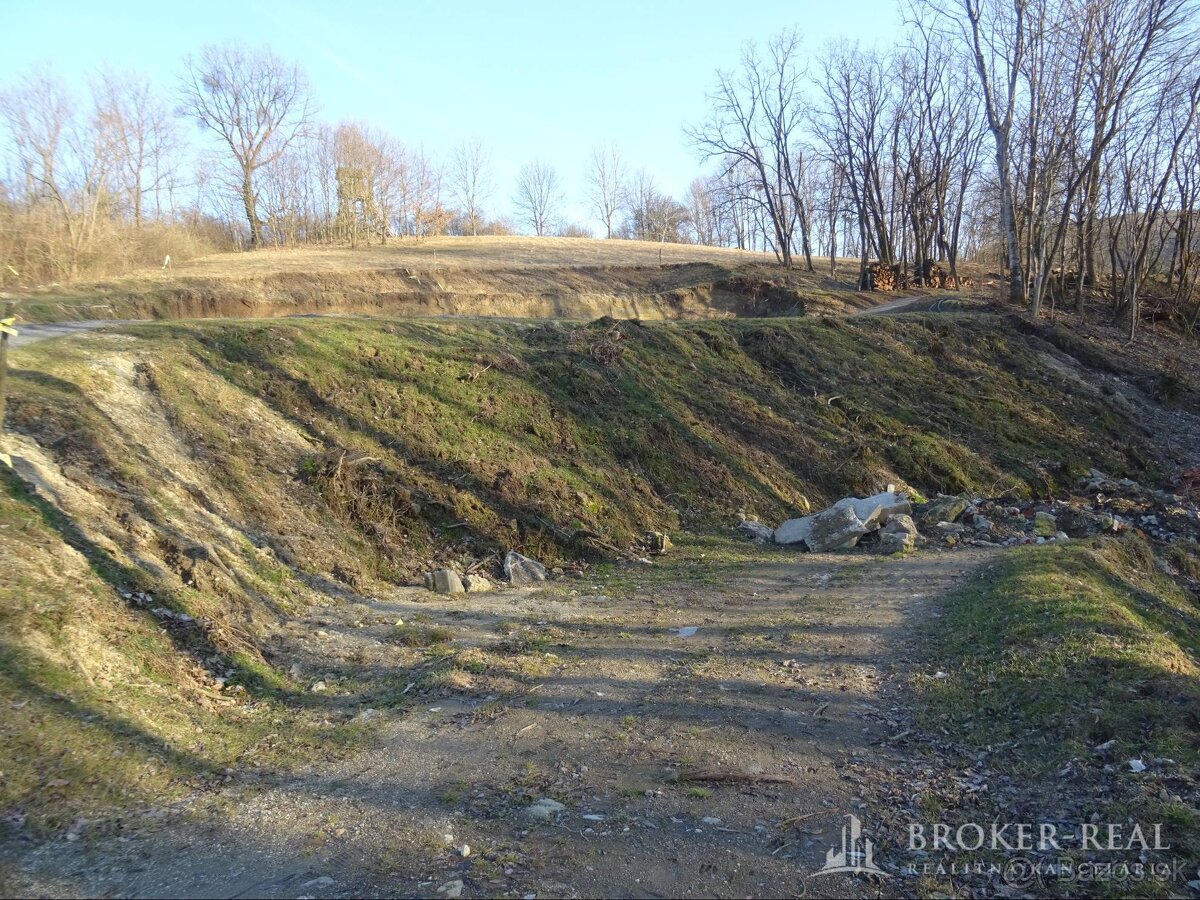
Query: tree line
1057,140
116,179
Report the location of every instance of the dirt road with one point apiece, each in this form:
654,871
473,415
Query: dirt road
716,763
31,334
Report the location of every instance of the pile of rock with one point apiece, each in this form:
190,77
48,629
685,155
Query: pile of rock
1103,505
848,521
962,520
519,570
892,523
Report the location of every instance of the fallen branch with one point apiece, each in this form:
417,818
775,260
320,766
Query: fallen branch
475,566
795,819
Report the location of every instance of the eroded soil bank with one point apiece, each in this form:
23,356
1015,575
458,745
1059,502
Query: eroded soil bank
670,291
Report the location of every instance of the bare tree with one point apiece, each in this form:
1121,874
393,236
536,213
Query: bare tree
539,195
1055,78
257,104
144,138
64,162
995,33
1131,47
470,178
1184,267
705,213
735,199
641,196
858,115
754,127
420,183
1147,158
653,215
606,185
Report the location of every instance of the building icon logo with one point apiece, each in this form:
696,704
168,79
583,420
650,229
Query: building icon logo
857,856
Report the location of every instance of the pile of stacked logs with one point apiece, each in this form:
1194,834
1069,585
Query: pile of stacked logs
880,277
930,274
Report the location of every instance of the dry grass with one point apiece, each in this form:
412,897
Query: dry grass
432,254
517,277
512,277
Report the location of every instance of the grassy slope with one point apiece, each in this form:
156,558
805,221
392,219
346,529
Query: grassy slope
559,441
1058,649
104,708
1086,635
482,426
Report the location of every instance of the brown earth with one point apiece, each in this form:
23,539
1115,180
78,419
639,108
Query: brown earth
719,764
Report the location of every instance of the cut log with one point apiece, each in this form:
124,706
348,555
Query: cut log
881,278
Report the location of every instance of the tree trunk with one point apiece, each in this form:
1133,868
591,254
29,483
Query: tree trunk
805,242
1008,224
864,259
251,210
832,247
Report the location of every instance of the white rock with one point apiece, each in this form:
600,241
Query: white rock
476,584
444,581
756,530
878,507
793,531
523,570
544,810
837,528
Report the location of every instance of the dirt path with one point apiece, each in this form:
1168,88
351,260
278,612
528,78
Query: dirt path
921,303
900,304
31,334
701,765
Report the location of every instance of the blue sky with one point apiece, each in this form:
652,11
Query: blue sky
534,80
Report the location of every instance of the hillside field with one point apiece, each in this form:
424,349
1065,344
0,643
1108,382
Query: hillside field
504,276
